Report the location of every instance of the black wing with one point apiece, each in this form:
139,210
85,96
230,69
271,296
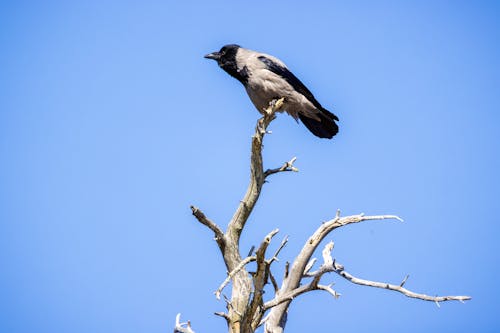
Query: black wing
294,82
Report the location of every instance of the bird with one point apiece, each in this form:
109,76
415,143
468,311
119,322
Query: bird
266,78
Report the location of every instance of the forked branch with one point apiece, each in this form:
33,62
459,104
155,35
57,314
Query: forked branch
182,327
287,166
293,285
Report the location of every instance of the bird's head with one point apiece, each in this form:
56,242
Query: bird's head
226,55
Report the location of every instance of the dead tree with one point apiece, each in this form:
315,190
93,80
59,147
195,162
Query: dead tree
246,307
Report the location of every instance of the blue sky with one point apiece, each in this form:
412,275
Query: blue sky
112,124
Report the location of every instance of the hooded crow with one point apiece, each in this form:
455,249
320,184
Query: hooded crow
266,78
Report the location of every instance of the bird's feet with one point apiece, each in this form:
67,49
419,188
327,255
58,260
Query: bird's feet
274,105
269,114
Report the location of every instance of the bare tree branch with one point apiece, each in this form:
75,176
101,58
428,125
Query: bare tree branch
257,175
287,270
331,265
179,326
287,166
404,280
399,288
223,315
329,289
291,295
275,255
290,285
313,285
309,265
219,235
232,273
273,282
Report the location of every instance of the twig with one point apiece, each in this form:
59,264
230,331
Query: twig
289,296
404,280
273,281
329,289
223,315
179,326
287,166
275,255
309,265
231,274
327,257
287,270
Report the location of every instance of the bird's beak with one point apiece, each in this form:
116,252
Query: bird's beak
213,55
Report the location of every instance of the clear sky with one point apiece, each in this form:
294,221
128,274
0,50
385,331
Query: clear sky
112,123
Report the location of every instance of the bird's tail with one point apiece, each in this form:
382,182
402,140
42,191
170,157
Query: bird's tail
326,127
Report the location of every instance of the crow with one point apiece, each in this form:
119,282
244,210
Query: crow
267,78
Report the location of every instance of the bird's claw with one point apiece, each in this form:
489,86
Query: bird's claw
274,105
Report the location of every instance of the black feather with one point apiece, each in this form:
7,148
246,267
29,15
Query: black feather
325,128
294,82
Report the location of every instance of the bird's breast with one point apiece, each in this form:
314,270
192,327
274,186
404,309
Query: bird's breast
265,86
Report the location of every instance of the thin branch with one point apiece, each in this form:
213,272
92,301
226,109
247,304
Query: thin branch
275,255
287,270
332,266
289,296
398,288
200,216
273,281
231,274
309,265
361,218
223,315
329,289
404,280
229,305
263,320
327,256
287,166
179,326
